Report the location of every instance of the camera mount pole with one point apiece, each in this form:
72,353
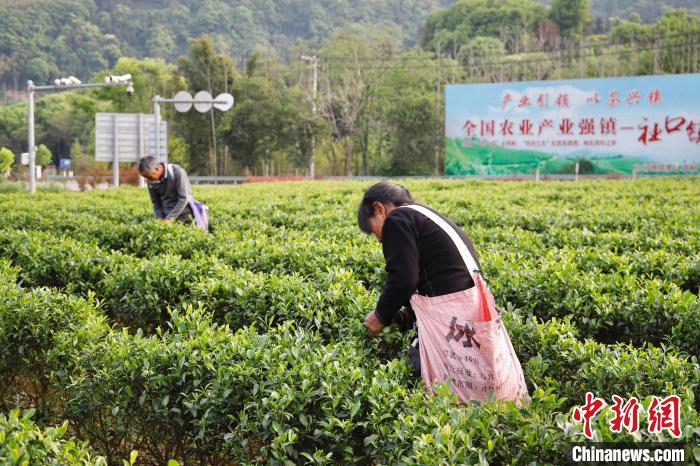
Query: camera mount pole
31,89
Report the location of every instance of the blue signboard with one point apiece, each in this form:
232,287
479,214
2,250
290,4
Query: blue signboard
612,125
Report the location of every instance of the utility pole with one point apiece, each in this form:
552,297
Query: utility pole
30,137
63,84
314,66
437,109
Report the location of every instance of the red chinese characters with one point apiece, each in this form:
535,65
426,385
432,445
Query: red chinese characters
626,414
488,127
586,127
593,98
587,412
693,131
524,101
614,98
506,128
662,414
562,101
665,415
526,127
469,128
506,100
649,136
633,97
608,126
655,96
546,123
566,127
651,131
674,124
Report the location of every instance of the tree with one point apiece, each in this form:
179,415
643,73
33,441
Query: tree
80,160
513,22
7,158
150,77
414,122
208,70
37,70
571,16
267,119
178,151
358,64
44,157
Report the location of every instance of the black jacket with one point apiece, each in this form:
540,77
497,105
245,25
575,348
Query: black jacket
420,257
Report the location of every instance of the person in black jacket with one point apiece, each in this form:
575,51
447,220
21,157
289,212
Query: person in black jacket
420,257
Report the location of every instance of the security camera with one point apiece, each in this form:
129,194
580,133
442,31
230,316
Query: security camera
129,89
69,81
118,79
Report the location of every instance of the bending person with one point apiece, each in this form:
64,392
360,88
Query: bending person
432,264
169,188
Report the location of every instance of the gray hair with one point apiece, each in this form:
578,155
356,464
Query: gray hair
147,164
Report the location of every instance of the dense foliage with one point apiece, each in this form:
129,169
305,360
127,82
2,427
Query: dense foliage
246,344
379,101
82,37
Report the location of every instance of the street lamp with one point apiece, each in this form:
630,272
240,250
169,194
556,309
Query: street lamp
62,84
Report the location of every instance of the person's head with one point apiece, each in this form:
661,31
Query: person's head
376,204
150,168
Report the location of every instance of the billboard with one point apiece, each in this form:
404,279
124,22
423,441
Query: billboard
129,136
608,125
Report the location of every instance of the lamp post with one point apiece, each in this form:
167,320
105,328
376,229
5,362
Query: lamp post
62,84
183,101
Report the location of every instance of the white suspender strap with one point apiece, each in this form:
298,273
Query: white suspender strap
452,233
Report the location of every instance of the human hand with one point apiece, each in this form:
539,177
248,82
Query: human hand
373,324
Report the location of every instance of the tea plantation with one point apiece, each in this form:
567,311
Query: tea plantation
246,345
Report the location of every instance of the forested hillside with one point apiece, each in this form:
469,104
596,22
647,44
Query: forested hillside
382,67
40,39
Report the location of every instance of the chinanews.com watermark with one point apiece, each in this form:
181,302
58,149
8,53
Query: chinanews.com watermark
599,453
662,415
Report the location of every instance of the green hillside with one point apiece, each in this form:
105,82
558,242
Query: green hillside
81,37
495,160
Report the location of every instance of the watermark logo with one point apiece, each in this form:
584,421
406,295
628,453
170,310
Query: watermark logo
662,414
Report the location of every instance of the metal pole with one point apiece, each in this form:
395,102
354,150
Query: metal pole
437,109
115,150
30,138
577,168
156,112
142,181
312,162
31,89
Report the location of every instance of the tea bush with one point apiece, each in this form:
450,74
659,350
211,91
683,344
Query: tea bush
246,345
23,442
